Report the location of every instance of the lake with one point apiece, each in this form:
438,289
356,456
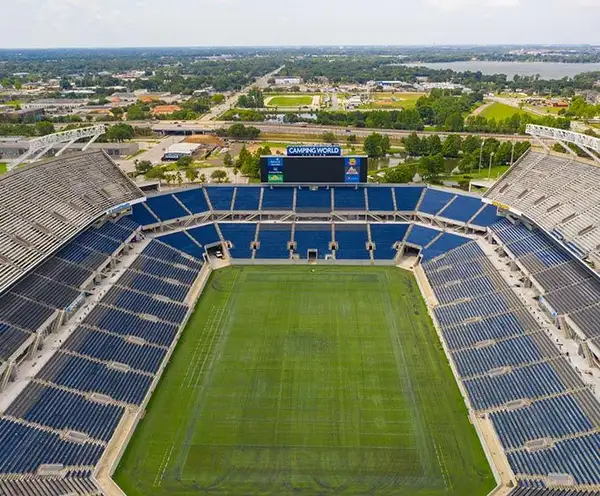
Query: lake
546,70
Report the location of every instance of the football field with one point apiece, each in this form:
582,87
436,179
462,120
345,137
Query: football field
307,380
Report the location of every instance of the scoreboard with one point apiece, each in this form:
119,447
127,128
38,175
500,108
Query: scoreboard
314,169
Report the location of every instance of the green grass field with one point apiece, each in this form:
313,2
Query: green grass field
388,100
3,167
500,111
300,380
290,101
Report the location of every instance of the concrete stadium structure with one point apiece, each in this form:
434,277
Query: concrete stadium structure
98,283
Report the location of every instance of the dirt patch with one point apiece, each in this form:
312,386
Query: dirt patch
205,139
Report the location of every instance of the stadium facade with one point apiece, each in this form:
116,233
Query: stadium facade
98,283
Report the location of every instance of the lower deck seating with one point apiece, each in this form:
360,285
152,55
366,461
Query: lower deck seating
312,237
25,448
385,236
241,235
88,376
352,242
183,242
128,324
274,240
60,409
109,348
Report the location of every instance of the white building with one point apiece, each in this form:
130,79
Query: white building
288,81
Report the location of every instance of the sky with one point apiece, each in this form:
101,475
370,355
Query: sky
124,23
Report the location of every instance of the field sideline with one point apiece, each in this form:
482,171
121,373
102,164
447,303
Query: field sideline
324,380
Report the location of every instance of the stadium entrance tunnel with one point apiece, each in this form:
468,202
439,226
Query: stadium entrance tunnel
215,251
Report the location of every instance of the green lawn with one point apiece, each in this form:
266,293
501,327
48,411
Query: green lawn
388,100
3,167
313,381
290,101
501,111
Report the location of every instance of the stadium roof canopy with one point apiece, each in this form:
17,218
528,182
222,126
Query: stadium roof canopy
43,205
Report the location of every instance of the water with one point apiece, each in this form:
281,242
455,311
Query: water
546,70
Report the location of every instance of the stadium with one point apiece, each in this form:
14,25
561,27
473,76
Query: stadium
310,338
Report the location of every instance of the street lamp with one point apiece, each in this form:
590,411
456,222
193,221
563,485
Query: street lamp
481,154
490,166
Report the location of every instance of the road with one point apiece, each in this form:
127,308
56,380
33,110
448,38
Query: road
231,101
295,129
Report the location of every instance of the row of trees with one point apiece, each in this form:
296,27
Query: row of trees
254,99
238,131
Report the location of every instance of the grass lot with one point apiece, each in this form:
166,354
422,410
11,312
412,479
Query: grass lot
496,172
3,167
309,381
388,100
500,111
289,101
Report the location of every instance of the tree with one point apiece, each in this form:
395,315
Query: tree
117,112
185,161
328,137
351,139
179,178
217,98
432,166
227,160
451,146
236,171
202,178
400,174
143,166
43,128
455,122
413,145
156,173
377,145
191,174
219,175
434,145
120,132
65,84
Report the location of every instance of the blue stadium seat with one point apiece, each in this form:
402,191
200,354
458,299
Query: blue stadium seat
142,215
308,200
205,235
385,236
60,409
241,235
86,375
109,348
445,243
220,197
278,198
380,199
129,324
25,448
421,236
247,198
462,209
182,242
434,201
274,239
166,207
349,198
352,242
407,197
194,200
312,236
487,217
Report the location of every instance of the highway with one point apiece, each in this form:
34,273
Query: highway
231,101
183,127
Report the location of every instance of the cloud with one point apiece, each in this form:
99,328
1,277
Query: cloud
450,5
